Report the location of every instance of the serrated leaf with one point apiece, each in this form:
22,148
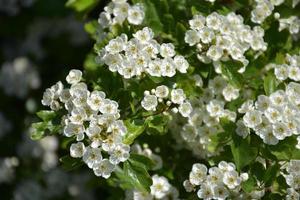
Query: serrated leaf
270,83
249,185
270,174
242,151
134,129
46,115
137,159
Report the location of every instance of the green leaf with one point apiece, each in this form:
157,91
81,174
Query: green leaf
81,5
46,115
285,149
270,174
134,176
38,130
69,163
249,185
270,83
144,161
91,28
243,152
157,124
134,129
152,18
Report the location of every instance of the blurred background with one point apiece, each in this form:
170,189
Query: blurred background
40,41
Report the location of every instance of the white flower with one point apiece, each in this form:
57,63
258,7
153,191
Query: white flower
189,133
262,103
197,22
292,194
103,168
109,107
214,53
181,64
215,108
231,179
252,118
230,93
185,109
77,150
160,187
149,102
206,35
241,129
280,130
188,186
92,156
167,50
192,37
169,68
74,76
135,15
177,96
281,72
220,192
162,91
144,35
95,100
294,73
74,129
120,153
205,192
115,45
198,174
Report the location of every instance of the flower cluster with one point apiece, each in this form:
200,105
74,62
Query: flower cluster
90,114
142,54
293,179
219,38
162,94
18,77
273,117
216,182
203,122
263,9
160,189
290,69
117,11
292,24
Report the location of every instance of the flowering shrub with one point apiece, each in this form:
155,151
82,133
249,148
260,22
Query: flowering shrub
184,99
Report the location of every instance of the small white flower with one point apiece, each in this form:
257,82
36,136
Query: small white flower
167,50
252,118
162,91
74,129
120,153
177,96
103,168
92,156
185,109
198,174
74,76
149,102
192,37
231,179
181,64
160,187
136,15
77,150
205,192
230,93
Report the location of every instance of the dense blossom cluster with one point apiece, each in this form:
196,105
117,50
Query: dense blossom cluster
220,182
263,9
90,114
292,24
290,69
160,189
274,117
203,122
142,54
293,179
18,77
117,11
219,38
175,98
